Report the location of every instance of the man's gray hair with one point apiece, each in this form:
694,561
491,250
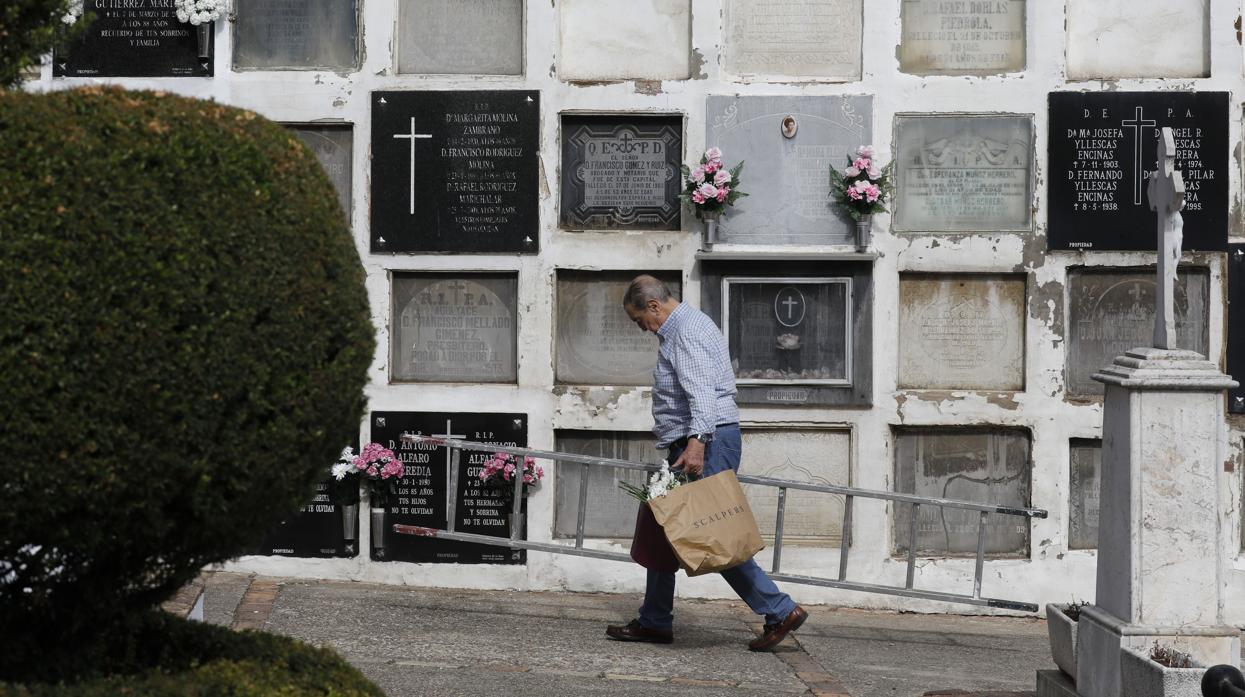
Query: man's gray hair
644,288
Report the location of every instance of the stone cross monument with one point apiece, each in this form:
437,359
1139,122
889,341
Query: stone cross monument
1164,538
1166,193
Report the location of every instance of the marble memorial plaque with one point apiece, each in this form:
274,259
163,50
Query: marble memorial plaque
621,171
624,40
1236,327
1138,38
788,329
454,328
1111,311
610,512
320,529
962,38
787,179
597,344
963,173
136,39
296,34
1102,150
334,148
1086,467
455,171
784,39
420,496
460,37
810,456
985,466
961,331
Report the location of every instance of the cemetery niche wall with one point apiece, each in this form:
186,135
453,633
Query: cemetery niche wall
421,496
787,178
621,171
963,173
1111,310
798,332
454,327
983,465
962,38
296,35
610,513
137,40
455,171
596,343
961,331
460,37
1101,152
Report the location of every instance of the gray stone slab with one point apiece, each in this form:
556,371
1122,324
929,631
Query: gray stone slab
460,37
1111,311
455,328
296,34
334,148
784,39
962,331
821,456
1086,467
624,39
597,344
610,513
221,594
962,38
787,179
963,172
982,465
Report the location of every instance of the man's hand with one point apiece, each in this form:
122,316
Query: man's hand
692,460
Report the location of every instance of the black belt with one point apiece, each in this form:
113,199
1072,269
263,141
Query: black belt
681,443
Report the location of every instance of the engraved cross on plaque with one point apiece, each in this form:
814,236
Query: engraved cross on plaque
451,472
1166,193
412,136
1139,126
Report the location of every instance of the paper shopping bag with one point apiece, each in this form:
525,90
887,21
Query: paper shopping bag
709,524
649,546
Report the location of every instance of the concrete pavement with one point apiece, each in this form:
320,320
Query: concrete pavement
444,642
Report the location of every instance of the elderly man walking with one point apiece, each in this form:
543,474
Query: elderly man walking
697,421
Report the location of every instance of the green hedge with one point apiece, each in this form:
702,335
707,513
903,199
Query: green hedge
184,341
159,655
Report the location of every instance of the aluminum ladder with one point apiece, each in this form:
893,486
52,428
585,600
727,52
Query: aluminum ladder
456,448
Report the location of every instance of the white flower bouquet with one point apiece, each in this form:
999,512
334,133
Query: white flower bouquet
659,484
198,12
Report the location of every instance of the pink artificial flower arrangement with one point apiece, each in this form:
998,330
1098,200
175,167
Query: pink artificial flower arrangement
862,187
376,465
500,470
711,187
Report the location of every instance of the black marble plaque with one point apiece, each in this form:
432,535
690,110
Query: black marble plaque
1236,326
455,171
136,38
1102,148
823,358
621,171
419,498
322,528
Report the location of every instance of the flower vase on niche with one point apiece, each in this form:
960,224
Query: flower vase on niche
711,219
350,521
788,346
203,32
864,232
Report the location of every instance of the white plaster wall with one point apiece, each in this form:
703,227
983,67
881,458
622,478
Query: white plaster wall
1052,573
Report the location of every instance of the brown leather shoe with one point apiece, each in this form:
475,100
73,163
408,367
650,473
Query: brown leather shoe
634,631
775,633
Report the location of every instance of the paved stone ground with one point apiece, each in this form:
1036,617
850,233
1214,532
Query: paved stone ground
441,642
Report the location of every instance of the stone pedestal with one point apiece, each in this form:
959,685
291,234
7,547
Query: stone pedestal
1162,533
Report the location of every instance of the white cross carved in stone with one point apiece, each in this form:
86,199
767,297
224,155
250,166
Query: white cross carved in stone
1139,126
1166,193
412,136
449,433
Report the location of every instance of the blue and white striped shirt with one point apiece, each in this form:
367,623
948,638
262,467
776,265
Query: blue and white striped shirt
693,383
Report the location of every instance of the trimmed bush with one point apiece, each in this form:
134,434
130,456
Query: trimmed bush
184,341
157,655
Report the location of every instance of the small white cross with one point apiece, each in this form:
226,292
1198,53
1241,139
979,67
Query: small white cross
790,302
412,136
1166,193
449,461
1139,126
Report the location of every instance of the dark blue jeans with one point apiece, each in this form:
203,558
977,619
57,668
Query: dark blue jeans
748,580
